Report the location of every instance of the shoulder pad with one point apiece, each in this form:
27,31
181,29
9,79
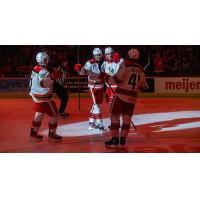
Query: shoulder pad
43,73
129,63
37,68
92,60
139,66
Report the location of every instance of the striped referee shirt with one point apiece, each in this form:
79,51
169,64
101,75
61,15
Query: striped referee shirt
63,79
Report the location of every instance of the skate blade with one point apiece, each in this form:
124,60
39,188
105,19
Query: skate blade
113,146
95,130
92,129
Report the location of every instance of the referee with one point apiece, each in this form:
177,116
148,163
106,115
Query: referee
61,89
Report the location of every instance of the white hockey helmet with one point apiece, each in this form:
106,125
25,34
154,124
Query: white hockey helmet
42,58
134,54
108,50
97,53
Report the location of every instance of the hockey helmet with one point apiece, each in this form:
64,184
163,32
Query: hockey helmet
97,53
42,58
108,53
108,50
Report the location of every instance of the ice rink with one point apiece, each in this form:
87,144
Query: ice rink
165,125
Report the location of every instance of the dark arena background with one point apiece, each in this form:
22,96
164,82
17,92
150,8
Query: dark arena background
167,114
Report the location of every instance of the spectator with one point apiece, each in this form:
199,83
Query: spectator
7,71
159,63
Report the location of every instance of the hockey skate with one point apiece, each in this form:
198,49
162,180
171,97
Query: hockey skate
100,126
54,137
64,115
33,134
122,141
92,126
113,141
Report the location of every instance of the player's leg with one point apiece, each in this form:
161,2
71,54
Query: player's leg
98,117
36,123
115,111
92,118
95,118
53,123
92,125
98,94
52,112
114,129
126,118
110,91
125,128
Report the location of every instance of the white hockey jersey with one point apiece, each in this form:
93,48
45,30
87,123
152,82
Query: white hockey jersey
129,79
111,69
95,78
41,85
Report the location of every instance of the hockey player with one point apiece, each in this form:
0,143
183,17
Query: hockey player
92,68
110,67
41,84
130,79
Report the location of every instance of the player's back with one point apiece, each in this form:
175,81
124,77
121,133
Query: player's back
38,91
130,78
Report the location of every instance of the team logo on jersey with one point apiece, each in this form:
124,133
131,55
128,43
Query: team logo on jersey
94,68
111,71
43,74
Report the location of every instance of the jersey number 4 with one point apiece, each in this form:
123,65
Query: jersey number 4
133,79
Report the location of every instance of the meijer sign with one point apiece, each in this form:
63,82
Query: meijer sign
177,85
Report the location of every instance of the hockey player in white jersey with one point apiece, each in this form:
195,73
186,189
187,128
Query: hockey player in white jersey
41,84
110,67
130,79
92,68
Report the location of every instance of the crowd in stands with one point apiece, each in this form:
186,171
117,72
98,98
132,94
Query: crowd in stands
176,61
162,60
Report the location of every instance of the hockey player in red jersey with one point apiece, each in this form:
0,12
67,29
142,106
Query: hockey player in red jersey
92,68
110,67
41,84
130,79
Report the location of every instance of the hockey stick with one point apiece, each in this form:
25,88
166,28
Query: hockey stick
113,93
146,66
148,63
93,97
